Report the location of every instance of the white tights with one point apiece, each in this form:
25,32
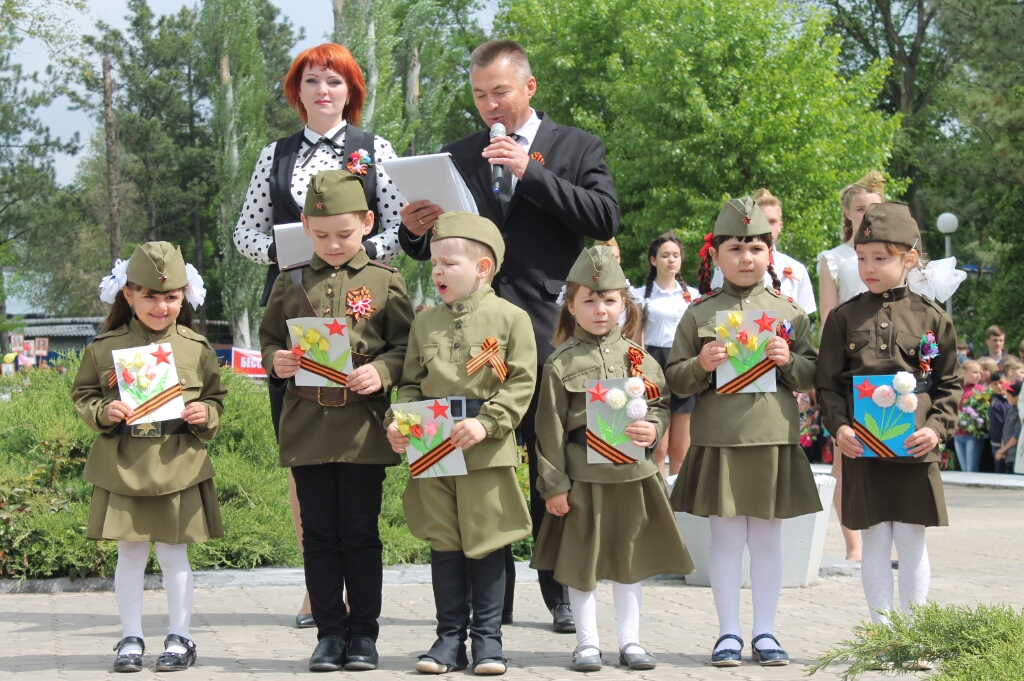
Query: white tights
627,614
764,540
128,582
876,567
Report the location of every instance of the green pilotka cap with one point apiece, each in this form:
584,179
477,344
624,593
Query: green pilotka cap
158,266
333,192
890,222
741,217
463,225
597,269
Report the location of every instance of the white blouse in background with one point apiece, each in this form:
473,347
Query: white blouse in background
664,310
841,263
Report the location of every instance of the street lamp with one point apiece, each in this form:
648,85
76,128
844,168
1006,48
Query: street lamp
947,224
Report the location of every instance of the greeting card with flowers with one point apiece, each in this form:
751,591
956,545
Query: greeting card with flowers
428,425
325,356
883,413
745,334
612,404
147,381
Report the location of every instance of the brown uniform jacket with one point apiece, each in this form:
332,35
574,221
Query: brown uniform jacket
143,466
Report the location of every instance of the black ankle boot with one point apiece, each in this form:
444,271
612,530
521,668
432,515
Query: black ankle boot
448,573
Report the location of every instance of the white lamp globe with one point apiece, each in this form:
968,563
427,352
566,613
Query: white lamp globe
947,223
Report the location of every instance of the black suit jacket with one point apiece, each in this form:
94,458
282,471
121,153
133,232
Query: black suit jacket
567,193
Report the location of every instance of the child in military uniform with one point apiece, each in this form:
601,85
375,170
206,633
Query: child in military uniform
153,482
605,521
469,519
333,438
884,331
745,469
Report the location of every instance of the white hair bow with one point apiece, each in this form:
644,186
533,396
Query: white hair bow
938,281
196,292
114,282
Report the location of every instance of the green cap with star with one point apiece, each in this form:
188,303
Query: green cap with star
598,270
333,192
741,217
889,222
158,266
463,225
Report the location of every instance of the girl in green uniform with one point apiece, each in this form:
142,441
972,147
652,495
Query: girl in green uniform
605,521
745,469
153,482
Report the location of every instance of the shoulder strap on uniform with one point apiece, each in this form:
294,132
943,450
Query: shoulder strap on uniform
378,263
300,293
356,139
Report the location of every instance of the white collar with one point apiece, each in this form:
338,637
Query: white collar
655,288
312,136
528,130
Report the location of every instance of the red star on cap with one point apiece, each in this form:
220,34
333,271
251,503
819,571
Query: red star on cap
764,323
161,355
597,393
746,221
440,410
319,205
335,328
163,279
865,390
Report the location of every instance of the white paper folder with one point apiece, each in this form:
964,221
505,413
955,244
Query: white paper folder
294,247
434,178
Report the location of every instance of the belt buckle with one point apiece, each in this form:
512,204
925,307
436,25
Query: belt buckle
320,400
147,429
457,404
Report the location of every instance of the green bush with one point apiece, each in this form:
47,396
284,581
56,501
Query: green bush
985,643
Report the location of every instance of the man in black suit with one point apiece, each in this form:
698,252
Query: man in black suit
559,192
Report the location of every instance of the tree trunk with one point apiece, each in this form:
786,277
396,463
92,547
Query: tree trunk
412,95
111,142
338,6
371,69
239,320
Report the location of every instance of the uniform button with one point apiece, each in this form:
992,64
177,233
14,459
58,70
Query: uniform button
504,235
456,346
883,346
611,368
504,279
327,311
885,295
459,308
458,325
329,291
183,381
747,302
853,345
885,325
885,304
912,351
333,275
606,351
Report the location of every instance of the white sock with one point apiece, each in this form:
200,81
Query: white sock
764,539
728,537
876,570
584,612
128,580
915,571
173,559
628,598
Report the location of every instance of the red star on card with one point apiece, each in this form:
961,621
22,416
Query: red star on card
161,355
597,393
440,410
297,351
335,328
865,390
765,323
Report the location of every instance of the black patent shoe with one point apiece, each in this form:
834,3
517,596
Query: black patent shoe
641,660
132,662
304,620
176,662
361,654
563,622
772,657
329,655
727,657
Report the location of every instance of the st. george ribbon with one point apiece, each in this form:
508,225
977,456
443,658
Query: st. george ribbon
497,170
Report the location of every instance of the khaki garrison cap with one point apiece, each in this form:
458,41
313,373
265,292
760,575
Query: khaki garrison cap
889,222
158,266
459,224
597,269
333,192
741,217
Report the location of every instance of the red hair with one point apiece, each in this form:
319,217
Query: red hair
336,58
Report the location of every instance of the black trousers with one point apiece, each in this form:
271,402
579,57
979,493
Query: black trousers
276,403
340,504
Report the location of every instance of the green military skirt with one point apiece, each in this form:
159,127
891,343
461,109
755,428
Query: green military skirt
477,513
191,515
877,491
763,481
625,532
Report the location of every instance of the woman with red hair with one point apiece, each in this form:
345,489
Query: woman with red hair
325,87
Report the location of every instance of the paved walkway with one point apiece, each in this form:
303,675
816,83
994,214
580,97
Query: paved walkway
248,633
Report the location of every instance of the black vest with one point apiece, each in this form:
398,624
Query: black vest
286,153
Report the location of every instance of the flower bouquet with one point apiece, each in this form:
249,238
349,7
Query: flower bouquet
745,334
883,413
973,417
613,404
325,357
147,381
428,425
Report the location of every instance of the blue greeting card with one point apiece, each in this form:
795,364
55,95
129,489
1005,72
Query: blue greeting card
883,413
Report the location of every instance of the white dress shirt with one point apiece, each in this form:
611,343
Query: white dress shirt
254,230
664,310
527,133
794,282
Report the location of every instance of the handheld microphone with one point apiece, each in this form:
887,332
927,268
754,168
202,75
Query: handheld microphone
497,170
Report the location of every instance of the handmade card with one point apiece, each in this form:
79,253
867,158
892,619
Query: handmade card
883,413
612,404
324,353
428,425
147,380
745,334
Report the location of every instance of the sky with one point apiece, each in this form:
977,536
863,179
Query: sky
315,16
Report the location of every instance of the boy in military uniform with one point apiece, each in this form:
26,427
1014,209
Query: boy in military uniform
153,482
469,519
887,330
333,439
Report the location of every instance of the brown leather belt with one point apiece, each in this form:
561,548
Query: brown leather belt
157,429
335,397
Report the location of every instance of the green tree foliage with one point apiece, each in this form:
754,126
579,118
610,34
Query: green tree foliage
698,101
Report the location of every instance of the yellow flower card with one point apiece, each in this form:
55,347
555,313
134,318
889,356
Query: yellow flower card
324,353
746,334
147,381
612,404
428,425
